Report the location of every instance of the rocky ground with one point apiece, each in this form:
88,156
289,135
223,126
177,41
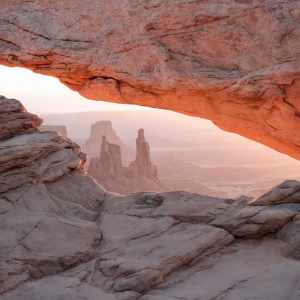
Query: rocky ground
64,237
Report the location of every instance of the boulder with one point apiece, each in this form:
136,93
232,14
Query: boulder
286,192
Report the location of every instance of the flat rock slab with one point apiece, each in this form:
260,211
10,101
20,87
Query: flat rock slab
257,271
233,215
138,252
255,221
57,288
45,232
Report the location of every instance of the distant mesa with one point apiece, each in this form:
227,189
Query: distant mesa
141,175
58,128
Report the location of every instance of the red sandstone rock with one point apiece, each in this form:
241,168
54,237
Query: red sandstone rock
233,62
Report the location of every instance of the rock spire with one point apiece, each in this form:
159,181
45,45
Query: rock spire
109,164
141,175
143,164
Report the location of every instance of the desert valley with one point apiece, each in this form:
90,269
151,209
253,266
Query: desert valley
191,154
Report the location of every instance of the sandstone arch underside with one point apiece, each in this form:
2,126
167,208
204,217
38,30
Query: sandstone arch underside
236,63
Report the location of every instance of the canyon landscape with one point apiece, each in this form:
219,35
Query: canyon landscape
221,217
190,154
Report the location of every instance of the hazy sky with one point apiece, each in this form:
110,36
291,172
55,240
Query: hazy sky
42,94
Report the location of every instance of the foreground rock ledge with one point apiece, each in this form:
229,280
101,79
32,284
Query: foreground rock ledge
64,237
235,62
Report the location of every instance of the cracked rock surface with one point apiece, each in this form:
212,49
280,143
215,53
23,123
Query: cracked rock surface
65,237
235,62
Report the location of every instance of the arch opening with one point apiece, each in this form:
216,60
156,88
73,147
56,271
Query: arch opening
190,153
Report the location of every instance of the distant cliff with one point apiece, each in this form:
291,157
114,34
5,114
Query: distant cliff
58,128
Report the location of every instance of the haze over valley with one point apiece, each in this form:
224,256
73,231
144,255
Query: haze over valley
190,153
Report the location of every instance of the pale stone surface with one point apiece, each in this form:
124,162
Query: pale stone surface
234,62
38,214
286,192
15,120
45,233
138,252
28,155
58,287
256,271
290,233
64,237
232,215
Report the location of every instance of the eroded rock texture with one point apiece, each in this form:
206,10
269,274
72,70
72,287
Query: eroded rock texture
15,119
45,199
64,237
235,62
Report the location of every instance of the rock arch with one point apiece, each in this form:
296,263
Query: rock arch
233,62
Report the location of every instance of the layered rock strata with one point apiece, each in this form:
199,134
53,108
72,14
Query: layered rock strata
45,199
235,62
67,238
15,120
